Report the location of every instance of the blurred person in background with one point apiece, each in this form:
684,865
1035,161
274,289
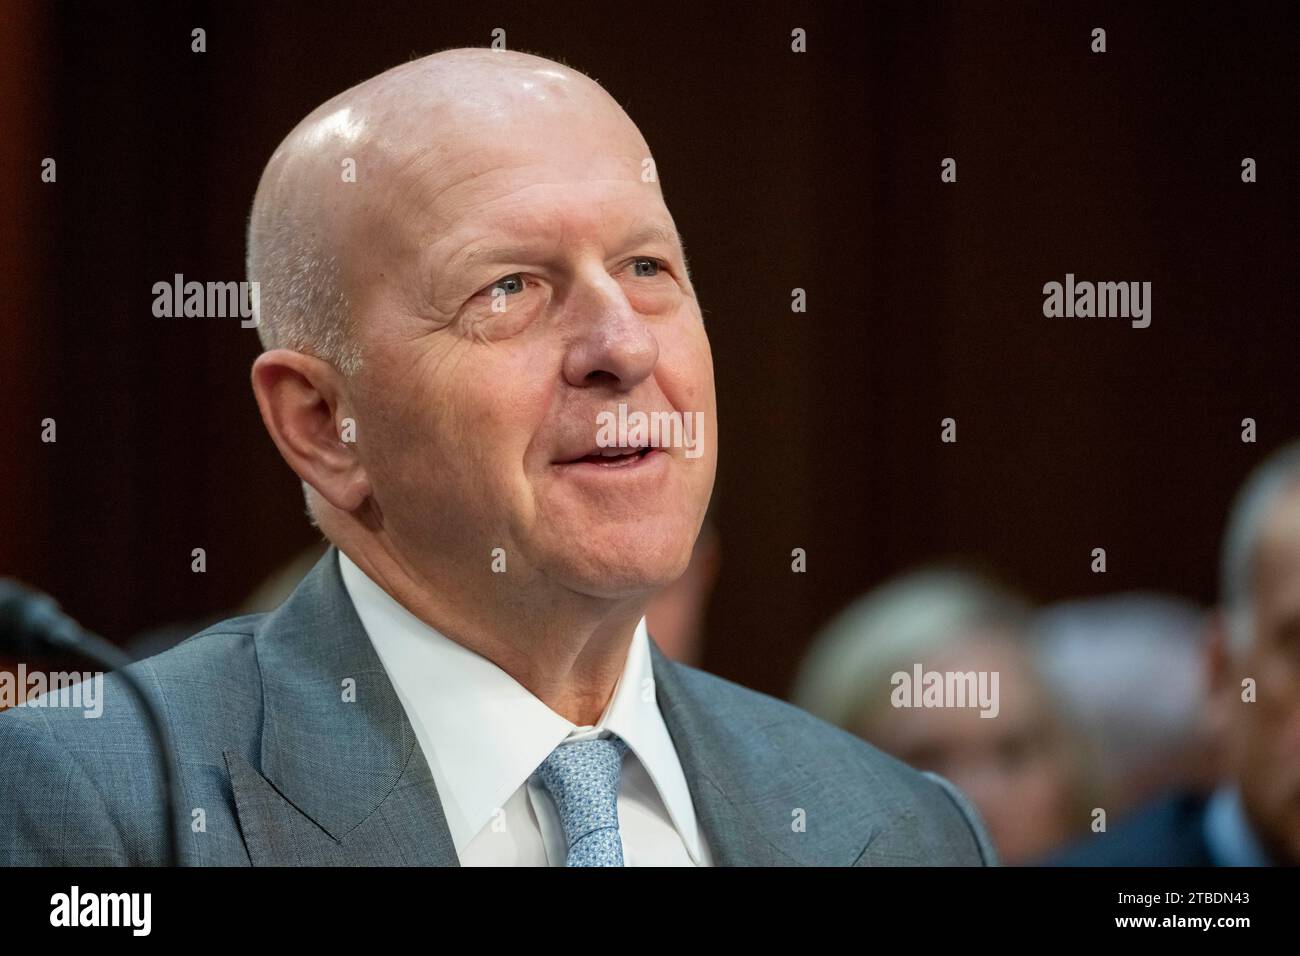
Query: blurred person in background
1022,768
1252,818
1129,672
675,617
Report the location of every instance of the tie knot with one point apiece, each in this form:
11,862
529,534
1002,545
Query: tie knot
582,777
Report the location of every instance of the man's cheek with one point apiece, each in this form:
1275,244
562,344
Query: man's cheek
687,380
401,445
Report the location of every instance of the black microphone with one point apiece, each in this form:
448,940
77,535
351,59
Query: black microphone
31,621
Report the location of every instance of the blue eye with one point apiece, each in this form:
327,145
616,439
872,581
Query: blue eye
652,263
509,285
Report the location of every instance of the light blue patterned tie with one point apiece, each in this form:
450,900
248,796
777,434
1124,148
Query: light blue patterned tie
582,778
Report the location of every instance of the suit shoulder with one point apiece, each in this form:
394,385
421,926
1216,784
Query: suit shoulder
227,642
81,781
774,743
210,680
780,726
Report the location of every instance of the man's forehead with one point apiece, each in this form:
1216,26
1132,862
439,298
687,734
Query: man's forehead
539,201
489,163
524,200
453,176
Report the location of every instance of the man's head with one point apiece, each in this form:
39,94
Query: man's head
470,258
1259,640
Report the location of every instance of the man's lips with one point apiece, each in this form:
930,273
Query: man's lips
610,457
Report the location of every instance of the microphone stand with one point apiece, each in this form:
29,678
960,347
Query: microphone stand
40,617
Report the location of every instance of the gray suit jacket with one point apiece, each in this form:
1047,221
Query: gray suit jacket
277,768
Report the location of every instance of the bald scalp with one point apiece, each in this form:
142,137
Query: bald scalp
301,218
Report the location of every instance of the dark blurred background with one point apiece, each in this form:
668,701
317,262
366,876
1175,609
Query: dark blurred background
818,171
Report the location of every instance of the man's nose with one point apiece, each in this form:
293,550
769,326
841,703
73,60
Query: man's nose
612,344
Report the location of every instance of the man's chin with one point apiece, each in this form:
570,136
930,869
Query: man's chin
621,576
621,582
617,556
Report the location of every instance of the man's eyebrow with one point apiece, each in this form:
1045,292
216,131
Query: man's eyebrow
649,233
655,233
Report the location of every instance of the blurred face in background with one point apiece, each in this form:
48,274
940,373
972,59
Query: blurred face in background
1264,736
1018,768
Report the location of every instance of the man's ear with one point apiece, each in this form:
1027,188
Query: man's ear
1223,690
301,399
1218,652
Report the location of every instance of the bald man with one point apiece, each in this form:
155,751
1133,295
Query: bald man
485,360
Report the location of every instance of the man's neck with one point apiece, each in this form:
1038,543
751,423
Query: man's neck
568,650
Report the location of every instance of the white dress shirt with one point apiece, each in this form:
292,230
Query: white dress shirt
483,735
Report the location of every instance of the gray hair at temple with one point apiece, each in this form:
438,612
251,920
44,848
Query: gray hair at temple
300,305
1253,506
853,658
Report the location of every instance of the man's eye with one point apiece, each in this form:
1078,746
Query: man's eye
646,268
509,285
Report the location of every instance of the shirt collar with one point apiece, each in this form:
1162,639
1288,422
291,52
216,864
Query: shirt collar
483,733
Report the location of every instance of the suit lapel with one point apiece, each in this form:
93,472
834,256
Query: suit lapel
712,775
342,779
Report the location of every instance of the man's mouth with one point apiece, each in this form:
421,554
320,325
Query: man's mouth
611,457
